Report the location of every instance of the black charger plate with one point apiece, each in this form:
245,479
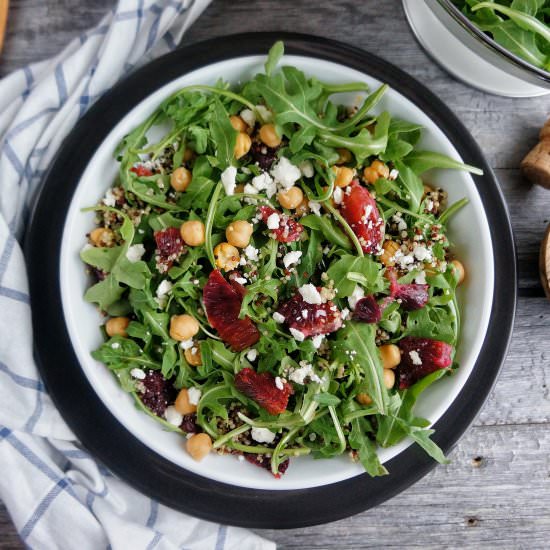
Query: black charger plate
102,433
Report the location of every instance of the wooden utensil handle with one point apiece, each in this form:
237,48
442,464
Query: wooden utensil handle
3,20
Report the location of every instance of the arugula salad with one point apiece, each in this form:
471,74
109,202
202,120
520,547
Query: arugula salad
275,275
520,26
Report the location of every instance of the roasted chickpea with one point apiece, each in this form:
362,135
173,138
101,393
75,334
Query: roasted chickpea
459,271
428,189
182,404
389,378
192,232
238,233
268,136
183,327
238,123
390,248
344,175
291,198
116,326
193,355
239,188
363,398
102,237
391,355
199,445
344,156
370,174
381,168
188,154
180,179
242,145
227,256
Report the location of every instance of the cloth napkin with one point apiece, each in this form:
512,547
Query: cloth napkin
57,494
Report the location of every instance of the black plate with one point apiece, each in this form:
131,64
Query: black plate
103,434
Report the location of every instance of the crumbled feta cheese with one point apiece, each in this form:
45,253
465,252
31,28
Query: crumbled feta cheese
306,167
240,280
252,354
137,373
315,207
420,278
310,294
251,253
415,358
228,178
292,258
194,395
109,199
393,174
262,181
356,295
278,318
273,221
317,340
173,416
338,195
345,313
264,113
262,435
421,253
279,383
297,335
115,345
135,252
163,289
249,117
249,189
305,371
305,313
186,344
285,173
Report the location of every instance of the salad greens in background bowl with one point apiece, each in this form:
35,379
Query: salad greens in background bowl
274,333
502,47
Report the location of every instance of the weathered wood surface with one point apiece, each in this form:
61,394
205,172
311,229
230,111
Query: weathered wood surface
496,491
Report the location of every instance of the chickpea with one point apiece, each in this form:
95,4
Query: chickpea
268,136
390,248
363,398
116,326
381,168
188,155
192,232
239,188
183,327
242,145
102,237
193,355
459,271
182,404
291,198
344,175
227,256
238,233
389,378
391,355
180,179
344,156
199,445
238,123
428,189
303,208
370,174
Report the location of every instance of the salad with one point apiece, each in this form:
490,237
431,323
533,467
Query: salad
275,275
520,26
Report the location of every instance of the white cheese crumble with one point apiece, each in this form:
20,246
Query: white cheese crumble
315,207
273,221
279,383
262,182
415,358
249,189
262,435
317,340
194,395
305,371
393,174
420,278
422,254
345,313
137,373
291,258
338,195
310,294
240,280
285,173
162,291
173,416
306,167
278,318
357,294
264,113
135,252
186,344
249,117
251,253
229,181
109,199
297,334
252,354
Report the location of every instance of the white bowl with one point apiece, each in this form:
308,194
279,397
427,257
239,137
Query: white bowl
469,231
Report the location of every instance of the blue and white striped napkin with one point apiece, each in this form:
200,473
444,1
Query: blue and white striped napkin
57,494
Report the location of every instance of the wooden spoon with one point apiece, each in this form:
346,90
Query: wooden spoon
544,262
3,20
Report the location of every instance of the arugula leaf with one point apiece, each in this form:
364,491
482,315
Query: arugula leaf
101,257
339,270
223,135
274,56
328,228
121,352
421,161
366,448
105,293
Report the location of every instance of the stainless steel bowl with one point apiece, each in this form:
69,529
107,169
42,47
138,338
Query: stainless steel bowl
484,46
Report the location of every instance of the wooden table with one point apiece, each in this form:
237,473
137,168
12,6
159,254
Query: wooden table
496,491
